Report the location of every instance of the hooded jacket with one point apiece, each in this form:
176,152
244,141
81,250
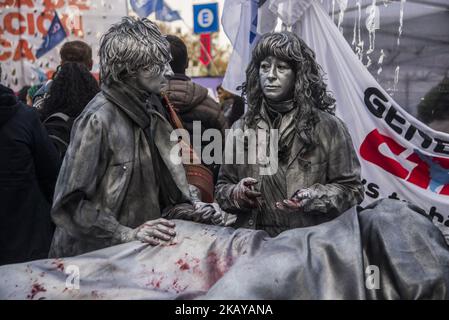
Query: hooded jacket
29,165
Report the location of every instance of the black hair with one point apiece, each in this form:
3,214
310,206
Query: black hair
179,55
71,90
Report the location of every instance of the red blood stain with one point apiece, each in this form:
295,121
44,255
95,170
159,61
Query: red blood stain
177,287
35,289
196,267
156,283
59,264
217,267
182,265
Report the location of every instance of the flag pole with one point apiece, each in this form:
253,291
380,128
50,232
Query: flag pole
202,47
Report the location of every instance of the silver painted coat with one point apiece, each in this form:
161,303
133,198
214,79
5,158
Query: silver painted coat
107,183
331,170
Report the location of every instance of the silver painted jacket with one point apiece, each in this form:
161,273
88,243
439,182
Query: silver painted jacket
107,183
331,170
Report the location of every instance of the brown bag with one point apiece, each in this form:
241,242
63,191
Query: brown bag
197,174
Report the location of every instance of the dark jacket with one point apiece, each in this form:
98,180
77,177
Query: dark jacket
29,165
192,103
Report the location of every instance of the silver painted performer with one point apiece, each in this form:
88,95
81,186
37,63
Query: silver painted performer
117,182
318,173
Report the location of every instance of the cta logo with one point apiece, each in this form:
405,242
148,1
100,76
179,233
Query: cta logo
427,172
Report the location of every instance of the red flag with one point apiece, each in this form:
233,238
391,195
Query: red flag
205,48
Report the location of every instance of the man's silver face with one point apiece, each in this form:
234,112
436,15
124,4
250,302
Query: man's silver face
151,83
277,79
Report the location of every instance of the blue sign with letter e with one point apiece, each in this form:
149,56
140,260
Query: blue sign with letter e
205,18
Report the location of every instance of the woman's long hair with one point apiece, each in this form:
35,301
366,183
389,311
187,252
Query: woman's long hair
310,90
72,88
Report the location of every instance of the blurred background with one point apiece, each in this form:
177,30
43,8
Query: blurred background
403,43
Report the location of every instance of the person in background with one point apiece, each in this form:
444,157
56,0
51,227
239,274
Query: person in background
29,165
31,92
71,51
232,105
191,100
71,90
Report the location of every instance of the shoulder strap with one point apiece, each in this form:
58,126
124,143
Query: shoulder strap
58,115
174,119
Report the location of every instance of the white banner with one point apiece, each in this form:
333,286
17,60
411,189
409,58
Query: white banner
401,157
24,23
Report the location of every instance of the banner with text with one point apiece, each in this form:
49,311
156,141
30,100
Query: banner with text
401,157
24,23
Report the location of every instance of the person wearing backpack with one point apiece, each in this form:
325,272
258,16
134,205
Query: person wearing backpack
29,166
72,88
71,51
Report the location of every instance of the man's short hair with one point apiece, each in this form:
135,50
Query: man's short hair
179,55
76,51
130,46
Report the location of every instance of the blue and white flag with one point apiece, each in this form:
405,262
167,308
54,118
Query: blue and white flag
144,8
243,22
55,35
165,13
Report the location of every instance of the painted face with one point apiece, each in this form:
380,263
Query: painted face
277,79
151,83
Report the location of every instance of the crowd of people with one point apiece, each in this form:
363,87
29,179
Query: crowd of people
85,165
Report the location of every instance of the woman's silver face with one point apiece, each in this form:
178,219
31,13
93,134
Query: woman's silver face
277,79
